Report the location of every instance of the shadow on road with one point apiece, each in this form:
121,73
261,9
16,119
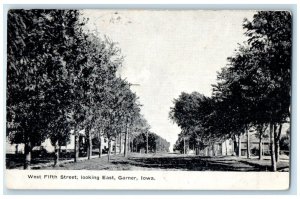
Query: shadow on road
172,162
192,163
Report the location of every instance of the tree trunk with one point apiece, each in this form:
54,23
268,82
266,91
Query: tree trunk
131,146
56,156
263,149
126,143
240,145
277,150
277,146
17,150
248,143
90,144
184,150
136,147
260,146
59,151
120,143
147,143
235,145
116,144
272,148
109,149
226,150
76,147
27,152
100,150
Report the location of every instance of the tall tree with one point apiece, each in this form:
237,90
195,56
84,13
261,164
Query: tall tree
270,32
37,70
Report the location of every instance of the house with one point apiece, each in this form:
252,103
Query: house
46,145
219,149
254,144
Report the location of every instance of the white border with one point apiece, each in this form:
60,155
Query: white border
162,180
2,86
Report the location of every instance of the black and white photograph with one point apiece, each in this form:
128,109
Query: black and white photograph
187,92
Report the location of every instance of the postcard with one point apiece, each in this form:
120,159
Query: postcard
148,99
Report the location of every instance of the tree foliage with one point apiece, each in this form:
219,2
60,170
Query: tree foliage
252,90
61,79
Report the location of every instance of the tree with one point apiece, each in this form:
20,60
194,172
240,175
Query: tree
37,43
253,90
103,61
261,133
155,142
120,103
62,80
270,34
261,69
202,120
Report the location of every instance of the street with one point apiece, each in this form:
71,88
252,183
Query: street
169,161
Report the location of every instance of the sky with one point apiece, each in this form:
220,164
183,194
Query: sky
169,52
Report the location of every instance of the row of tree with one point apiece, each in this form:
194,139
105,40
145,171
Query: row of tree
252,91
150,142
61,80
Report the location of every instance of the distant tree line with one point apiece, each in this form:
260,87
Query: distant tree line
252,91
150,142
61,80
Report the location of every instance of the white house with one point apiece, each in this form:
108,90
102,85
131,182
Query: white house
19,148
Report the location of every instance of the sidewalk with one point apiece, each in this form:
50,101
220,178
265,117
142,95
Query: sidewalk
49,164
